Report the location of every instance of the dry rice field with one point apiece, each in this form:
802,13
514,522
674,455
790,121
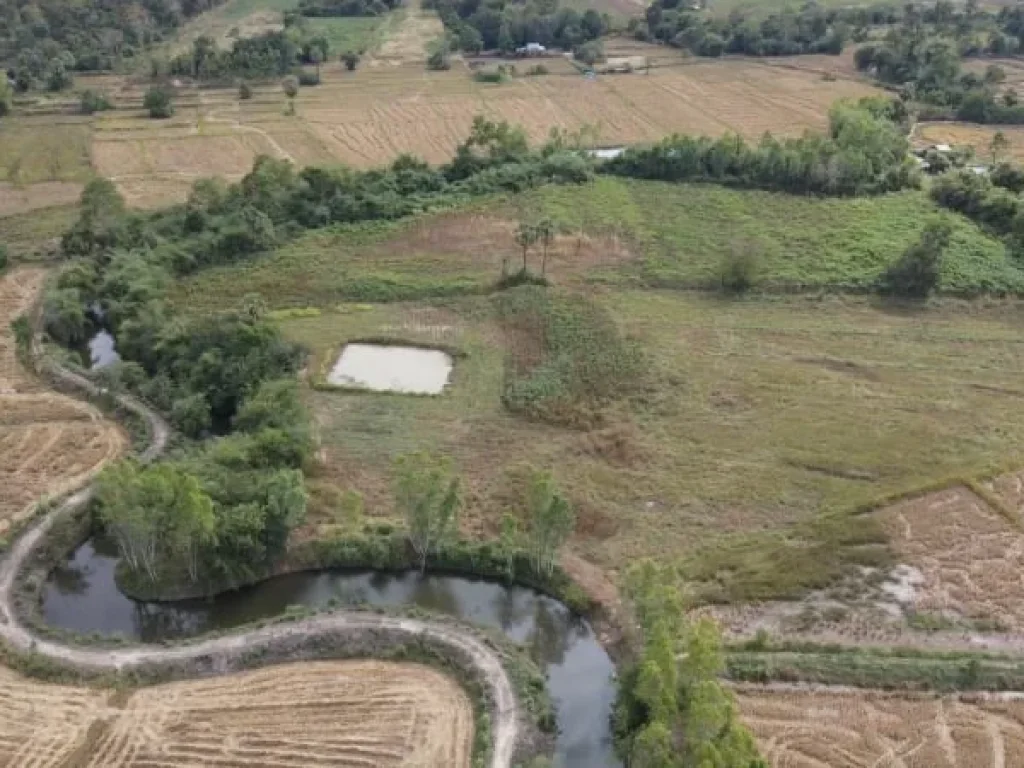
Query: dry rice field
348,714
369,117
867,729
49,443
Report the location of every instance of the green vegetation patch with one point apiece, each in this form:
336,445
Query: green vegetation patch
24,233
30,153
352,33
684,232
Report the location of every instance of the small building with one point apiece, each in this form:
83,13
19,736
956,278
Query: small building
531,49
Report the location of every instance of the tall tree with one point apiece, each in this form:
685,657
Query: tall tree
551,521
427,494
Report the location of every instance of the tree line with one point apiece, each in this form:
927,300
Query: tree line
475,25
327,8
864,152
44,41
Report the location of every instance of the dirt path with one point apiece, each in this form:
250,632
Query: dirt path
221,653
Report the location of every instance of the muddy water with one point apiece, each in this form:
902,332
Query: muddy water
392,369
81,595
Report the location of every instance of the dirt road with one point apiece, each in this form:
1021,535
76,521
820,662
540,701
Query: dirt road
224,654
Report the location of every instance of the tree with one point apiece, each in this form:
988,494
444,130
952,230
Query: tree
58,77
317,56
159,102
470,39
917,272
290,85
998,146
551,521
155,514
739,268
5,97
545,230
427,495
526,237
244,91
439,58
94,101
672,711
351,60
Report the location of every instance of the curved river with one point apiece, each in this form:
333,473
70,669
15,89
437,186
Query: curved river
81,596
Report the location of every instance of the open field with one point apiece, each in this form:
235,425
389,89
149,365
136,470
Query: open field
49,443
35,231
29,154
866,729
615,232
718,451
387,107
309,714
977,136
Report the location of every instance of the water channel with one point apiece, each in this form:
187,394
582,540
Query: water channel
81,595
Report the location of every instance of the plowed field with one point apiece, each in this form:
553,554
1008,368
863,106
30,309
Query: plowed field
49,443
359,713
868,729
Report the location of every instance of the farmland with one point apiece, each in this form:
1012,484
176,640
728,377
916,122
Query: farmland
308,714
391,105
804,729
50,443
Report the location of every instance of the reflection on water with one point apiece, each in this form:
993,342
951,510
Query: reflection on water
102,351
82,596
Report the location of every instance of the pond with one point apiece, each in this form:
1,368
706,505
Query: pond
384,368
102,351
81,595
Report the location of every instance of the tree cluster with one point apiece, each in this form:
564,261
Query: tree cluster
270,54
812,29
223,512
43,41
503,25
994,202
672,711
323,8
864,152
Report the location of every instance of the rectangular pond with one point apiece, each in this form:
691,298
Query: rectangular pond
385,368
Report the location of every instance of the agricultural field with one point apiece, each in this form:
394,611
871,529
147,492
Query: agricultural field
50,443
390,106
717,451
849,729
979,137
304,714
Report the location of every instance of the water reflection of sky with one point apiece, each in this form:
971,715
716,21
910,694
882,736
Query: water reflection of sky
82,596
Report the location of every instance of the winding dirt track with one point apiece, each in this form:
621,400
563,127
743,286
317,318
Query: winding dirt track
222,651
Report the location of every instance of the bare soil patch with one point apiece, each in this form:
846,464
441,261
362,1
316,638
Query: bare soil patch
305,714
871,729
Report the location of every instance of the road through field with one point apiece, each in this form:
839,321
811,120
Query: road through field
224,653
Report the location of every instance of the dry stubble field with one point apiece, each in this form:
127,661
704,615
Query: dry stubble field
49,443
803,729
352,714
368,117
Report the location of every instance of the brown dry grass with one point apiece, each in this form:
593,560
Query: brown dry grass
970,556
49,443
368,117
870,729
15,200
351,713
977,136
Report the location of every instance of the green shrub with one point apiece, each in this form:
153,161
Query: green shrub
567,359
244,91
307,79
740,267
94,101
159,102
351,60
916,274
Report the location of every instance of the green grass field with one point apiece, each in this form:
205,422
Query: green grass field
673,235
762,424
33,151
354,33
763,421
24,233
